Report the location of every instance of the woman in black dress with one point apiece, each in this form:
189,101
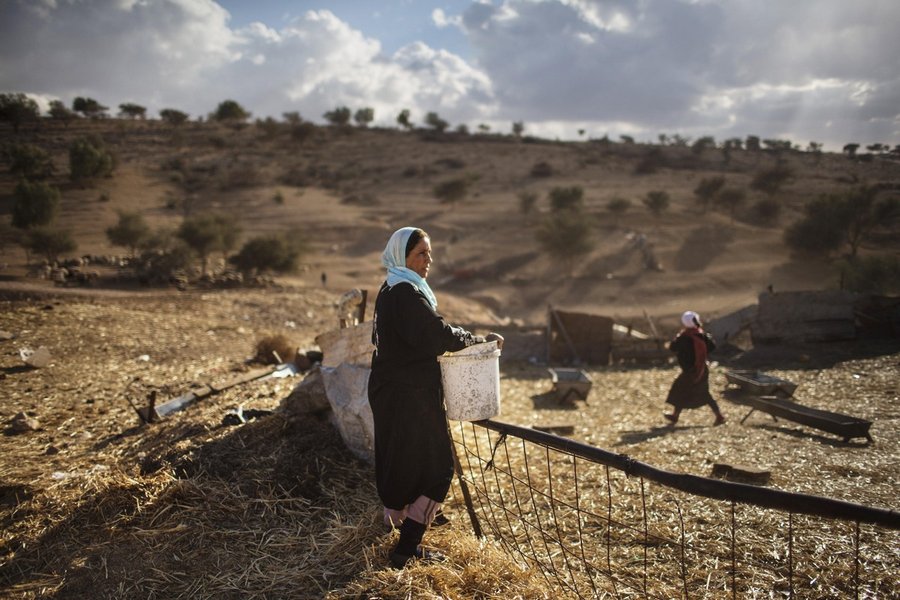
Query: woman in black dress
413,455
691,388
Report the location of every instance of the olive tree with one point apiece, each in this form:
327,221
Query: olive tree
50,242
60,112
707,189
89,107
34,204
403,119
277,253
230,110
435,122
173,116
29,161
208,233
340,116
17,108
132,111
364,116
89,158
131,231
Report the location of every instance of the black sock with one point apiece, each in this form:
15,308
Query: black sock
411,534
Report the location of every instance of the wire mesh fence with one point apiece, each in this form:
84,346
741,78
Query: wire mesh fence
599,524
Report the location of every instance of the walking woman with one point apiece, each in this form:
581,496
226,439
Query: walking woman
691,388
413,455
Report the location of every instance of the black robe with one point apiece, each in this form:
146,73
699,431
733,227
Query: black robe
691,388
413,456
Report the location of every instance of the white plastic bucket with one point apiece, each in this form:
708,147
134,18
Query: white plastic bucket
471,381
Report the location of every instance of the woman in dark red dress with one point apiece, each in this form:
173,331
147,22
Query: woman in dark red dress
691,388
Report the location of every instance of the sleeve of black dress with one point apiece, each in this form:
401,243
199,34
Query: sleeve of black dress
423,328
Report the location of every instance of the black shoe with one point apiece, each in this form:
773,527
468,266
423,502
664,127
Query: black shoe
429,556
440,520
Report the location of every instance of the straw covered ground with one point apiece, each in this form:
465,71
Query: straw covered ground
94,504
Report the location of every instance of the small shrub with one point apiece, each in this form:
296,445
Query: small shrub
872,275
278,198
275,349
771,180
707,189
241,175
657,202
565,236
618,207
173,163
527,202
451,163
542,169
300,132
767,210
452,190
270,253
650,163
567,198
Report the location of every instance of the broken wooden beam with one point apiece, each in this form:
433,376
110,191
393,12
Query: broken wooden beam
741,473
154,412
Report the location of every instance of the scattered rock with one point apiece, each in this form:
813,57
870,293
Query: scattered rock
22,423
308,396
38,359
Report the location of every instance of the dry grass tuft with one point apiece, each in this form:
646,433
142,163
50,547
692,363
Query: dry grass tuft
275,349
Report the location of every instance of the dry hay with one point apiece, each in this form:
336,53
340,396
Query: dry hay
625,414
275,349
95,505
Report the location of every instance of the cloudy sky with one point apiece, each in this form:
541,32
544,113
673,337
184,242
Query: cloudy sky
799,70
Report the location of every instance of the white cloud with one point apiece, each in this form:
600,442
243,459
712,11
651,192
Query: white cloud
182,54
666,65
441,20
804,69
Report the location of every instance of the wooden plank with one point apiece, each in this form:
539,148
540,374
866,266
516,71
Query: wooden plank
836,423
241,378
565,335
741,473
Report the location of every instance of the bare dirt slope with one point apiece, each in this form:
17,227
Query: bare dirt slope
347,190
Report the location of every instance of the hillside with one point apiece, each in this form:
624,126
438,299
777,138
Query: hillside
95,503
347,189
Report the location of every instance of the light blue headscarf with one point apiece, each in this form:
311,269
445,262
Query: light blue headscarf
394,259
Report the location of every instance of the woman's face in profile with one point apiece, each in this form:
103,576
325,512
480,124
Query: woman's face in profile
420,258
